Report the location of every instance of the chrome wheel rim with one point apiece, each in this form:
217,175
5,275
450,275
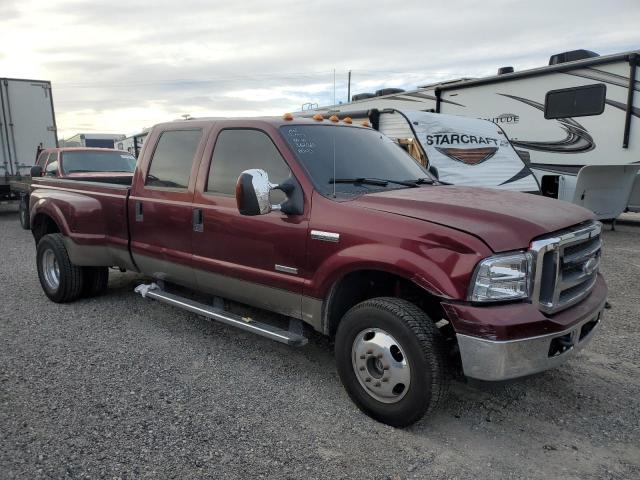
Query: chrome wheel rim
381,365
50,269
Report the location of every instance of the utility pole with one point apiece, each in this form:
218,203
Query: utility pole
334,86
349,87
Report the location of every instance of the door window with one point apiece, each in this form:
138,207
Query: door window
52,169
239,150
173,158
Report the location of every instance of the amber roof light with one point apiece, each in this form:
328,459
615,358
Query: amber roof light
287,116
318,117
347,120
366,123
334,118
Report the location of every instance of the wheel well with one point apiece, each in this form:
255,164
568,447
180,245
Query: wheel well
43,225
362,285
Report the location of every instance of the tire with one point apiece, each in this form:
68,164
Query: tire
54,264
392,331
23,211
95,280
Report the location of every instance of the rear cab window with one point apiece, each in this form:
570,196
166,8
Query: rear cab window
172,159
79,161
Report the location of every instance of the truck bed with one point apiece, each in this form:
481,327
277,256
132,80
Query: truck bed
99,228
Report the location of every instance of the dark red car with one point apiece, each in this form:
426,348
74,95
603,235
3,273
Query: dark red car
335,227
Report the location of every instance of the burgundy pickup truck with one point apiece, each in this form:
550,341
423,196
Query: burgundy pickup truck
335,228
79,163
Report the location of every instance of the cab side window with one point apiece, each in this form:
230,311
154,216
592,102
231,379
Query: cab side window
239,150
51,169
173,158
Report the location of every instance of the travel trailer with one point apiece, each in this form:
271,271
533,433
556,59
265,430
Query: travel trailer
132,144
97,140
576,122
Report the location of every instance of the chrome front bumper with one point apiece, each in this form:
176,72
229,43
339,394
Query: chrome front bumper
502,360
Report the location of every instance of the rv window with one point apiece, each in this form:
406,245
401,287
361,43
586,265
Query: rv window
575,102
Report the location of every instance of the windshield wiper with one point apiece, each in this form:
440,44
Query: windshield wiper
422,181
428,181
383,182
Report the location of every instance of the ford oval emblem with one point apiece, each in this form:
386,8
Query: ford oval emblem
590,266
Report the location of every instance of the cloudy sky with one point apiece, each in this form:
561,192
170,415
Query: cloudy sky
118,66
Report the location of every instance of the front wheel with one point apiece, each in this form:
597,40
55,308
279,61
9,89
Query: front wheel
391,360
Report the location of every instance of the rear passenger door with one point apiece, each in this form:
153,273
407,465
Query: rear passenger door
259,260
160,208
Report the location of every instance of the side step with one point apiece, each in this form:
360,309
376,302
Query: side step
228,318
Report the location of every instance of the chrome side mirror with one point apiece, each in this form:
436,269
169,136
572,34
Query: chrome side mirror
252,193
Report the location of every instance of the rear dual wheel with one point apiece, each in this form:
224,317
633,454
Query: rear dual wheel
391,359
62,280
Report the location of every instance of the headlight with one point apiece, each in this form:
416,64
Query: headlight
503,277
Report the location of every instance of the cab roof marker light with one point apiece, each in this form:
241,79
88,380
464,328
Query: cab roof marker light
287,116
334,118
365,123
347,120
318,117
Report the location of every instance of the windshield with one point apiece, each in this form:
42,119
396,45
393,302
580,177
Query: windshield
95,161
359,154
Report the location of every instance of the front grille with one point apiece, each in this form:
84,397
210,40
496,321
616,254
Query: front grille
566,266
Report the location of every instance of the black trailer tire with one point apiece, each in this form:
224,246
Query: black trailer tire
95,280
23,211
61,280
367,336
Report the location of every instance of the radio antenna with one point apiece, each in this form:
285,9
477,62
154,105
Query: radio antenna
333,137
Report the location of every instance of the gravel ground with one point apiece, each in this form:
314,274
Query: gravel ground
122,387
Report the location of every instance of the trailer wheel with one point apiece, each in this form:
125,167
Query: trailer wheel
61,280
95,280
23,212
391,360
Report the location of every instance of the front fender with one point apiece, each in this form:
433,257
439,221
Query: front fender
440,271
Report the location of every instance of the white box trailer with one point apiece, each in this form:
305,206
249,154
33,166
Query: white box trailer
576,122
27,122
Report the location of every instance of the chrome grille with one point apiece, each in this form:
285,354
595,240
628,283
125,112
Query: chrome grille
566,266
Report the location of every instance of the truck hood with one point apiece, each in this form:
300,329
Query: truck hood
503,220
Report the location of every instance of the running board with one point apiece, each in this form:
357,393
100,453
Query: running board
222,316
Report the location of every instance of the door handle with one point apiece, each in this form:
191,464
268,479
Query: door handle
139,211
198,220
